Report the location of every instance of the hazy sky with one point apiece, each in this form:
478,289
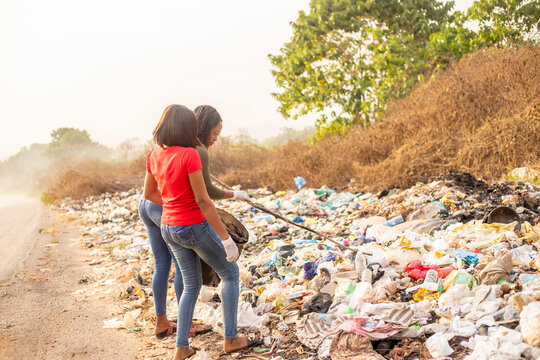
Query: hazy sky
112,66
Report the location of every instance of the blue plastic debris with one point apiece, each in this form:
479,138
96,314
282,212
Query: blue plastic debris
300,182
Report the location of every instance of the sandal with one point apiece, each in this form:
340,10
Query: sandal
199,328
250,343
162,335
196,328
255,342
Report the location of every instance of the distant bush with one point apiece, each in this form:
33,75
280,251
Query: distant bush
86,177
74,165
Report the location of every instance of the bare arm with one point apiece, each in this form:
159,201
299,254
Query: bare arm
151,191
205,204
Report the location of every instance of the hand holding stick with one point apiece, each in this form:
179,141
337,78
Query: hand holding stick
278,216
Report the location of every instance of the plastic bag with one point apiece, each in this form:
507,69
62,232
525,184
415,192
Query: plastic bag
205,294
463,328
438,346
454,296
522,255
362,293
430,211
530,318
497,270
130,317
337,200
382,233
460,277
416,270
299,182
319,303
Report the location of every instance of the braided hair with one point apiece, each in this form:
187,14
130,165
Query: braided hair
207,118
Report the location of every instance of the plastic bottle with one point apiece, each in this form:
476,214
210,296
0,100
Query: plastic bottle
360,263
395,221
262,280
367,276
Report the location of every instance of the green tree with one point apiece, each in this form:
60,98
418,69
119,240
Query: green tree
348,58
503,22
72,142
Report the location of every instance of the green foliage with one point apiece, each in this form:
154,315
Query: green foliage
502,22
30,169
348,59
72,142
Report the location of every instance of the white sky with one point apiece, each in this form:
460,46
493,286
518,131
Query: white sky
112,66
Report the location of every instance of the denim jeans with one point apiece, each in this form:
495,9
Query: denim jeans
189,244
150,214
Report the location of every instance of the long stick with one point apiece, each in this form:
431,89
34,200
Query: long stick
279,216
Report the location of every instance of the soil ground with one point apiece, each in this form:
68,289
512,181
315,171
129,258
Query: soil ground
40,316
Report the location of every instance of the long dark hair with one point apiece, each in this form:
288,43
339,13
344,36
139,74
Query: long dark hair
207,118
177,127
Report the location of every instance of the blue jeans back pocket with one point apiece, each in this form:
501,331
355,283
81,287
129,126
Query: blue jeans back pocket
183,236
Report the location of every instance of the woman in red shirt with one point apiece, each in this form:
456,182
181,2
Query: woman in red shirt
190,223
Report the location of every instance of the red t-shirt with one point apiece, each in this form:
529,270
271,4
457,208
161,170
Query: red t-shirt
171,167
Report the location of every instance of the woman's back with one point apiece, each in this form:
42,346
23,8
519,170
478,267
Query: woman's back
170,167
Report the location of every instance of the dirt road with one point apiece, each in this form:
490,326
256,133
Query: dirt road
40,318
19,221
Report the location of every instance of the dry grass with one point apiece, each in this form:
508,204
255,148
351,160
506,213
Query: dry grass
480,116
91,177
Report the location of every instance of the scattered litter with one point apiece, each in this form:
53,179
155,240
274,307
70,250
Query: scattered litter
454,261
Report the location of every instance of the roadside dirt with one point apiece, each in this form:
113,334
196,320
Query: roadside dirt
40,318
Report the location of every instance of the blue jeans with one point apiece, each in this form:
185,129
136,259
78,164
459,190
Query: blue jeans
189,244
150,214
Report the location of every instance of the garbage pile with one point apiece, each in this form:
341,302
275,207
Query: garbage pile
448,269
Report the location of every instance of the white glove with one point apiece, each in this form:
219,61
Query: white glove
231,249
240,195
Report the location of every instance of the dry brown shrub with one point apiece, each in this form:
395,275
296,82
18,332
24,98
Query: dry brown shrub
225,156
479,116
84,177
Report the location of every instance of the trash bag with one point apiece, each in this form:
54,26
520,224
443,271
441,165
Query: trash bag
238,233
497,270
286,251
319,303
